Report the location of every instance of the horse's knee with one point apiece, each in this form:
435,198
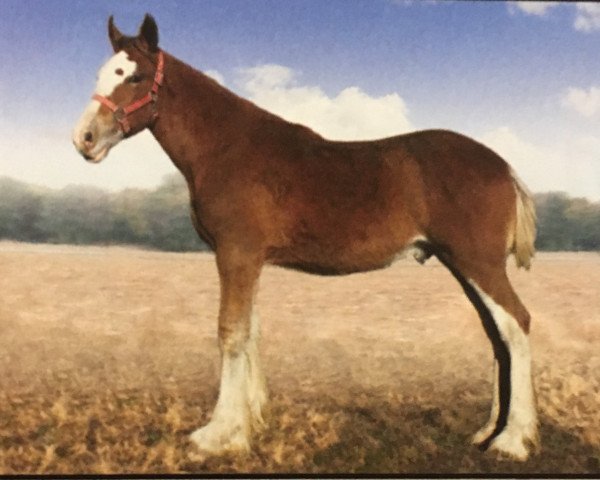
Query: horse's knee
233,339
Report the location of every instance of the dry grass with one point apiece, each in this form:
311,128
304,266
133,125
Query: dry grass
108,361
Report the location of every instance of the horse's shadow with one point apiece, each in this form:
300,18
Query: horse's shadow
435,438
377,436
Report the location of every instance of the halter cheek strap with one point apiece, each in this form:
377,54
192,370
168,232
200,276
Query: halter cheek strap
121,113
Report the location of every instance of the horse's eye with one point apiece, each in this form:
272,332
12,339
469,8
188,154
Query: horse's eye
134,79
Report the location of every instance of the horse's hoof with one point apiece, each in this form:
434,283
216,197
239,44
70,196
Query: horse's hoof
216,439
511,444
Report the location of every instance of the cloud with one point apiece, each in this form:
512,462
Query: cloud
538,9
49,158
352,114
588,17
570,166
569,161
527,159
268,76
215,75
585,102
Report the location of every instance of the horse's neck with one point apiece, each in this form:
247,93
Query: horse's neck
197,117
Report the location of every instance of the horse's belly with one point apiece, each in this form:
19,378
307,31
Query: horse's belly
329,260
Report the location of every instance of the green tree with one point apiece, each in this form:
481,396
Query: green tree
553,224
78,215
160,218
584,221
129,226
166,211
20,211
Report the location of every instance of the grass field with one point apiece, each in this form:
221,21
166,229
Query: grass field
109,359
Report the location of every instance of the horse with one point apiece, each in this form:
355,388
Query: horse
267,191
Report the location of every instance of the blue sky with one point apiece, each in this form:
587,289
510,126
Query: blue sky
522,78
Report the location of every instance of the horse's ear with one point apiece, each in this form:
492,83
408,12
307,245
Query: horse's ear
114,35
149,33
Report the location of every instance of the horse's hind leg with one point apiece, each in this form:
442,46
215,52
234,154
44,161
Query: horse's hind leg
486,431
512,427
519,428
242,392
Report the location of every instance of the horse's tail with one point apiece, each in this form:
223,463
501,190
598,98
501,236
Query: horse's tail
523,234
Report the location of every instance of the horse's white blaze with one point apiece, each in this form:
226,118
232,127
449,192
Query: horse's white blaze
110,76
108,80
521,424
114,72
242,395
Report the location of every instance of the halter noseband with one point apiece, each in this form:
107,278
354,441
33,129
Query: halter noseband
121,113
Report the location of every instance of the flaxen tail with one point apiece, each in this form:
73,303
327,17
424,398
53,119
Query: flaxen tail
524,227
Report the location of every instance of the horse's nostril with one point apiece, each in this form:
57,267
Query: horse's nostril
88,137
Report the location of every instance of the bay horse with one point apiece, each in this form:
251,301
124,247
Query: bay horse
266,191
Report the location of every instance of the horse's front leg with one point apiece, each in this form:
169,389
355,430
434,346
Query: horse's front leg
242,393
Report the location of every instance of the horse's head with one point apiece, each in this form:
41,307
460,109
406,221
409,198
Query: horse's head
126,91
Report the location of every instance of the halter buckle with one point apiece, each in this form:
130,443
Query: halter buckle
119,114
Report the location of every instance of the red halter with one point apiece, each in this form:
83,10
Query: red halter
121,113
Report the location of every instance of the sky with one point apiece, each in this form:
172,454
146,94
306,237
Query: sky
521,77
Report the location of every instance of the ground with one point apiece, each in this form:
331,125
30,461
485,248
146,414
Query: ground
109,360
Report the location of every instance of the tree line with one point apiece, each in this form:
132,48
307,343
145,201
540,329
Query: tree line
156,218
159,218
